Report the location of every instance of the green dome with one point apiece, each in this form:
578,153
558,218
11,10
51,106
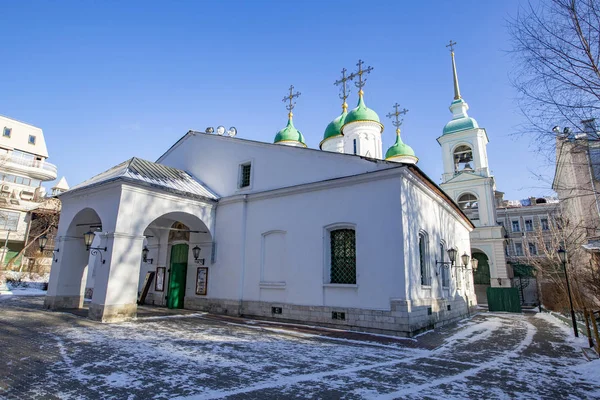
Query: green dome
361,113
461,120
460,124
289,134
335,127
399,149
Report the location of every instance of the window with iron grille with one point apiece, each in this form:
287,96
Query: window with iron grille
445,271
245,170
425,278
343,256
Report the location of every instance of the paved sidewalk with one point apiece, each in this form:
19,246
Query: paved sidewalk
51,355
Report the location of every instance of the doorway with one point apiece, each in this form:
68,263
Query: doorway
177,275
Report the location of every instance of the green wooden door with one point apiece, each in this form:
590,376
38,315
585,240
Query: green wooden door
177,275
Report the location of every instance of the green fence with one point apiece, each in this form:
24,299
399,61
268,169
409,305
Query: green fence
503,299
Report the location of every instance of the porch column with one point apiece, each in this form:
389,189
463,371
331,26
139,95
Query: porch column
68,275
116,281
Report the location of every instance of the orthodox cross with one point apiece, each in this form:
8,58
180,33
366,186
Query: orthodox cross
344,89
455,75
359,74
396,115
451,45
290,98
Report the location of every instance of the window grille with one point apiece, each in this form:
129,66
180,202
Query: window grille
245,175
445,271
343,256
423,260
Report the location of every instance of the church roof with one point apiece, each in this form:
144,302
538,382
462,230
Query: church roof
151,174
361,113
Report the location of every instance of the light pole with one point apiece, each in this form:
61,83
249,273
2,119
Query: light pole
562,254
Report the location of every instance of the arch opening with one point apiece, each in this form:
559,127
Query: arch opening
180,248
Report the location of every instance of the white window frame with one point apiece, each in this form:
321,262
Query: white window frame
327,253
512,228
522,250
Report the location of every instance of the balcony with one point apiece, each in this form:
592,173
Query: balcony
35,169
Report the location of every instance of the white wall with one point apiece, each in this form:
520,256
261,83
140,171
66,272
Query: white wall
215,161
424,210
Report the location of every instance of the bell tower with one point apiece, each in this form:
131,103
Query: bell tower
467,179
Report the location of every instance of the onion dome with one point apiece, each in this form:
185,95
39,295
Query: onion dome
401,152
290,135
461,120
334,128
362,113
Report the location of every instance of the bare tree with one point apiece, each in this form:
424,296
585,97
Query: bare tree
556,45
540,252
44,221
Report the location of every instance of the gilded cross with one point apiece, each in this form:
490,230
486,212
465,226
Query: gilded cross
451,45
344,89
290,98
359,74
396,115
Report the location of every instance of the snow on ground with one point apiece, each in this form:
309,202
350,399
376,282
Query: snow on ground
576,342
23,291
195,356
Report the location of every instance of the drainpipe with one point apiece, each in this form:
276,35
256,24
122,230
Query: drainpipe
243,251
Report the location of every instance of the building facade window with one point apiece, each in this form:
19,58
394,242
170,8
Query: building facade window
445,271
516,227
343,256
463,155
529,225
532,249
6,132
544,223
245,174
9,220
423,259
355,146
518,249
31,139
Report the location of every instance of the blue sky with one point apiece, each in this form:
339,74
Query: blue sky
110,80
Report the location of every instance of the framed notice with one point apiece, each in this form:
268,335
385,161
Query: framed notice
159,283
201,281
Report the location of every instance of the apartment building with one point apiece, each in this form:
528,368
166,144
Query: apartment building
23,169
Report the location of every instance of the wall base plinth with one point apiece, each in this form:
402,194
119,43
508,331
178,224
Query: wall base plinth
58,302
112,313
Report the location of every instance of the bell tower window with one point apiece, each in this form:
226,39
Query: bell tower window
463,157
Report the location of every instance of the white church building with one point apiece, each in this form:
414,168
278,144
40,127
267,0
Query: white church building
343,236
